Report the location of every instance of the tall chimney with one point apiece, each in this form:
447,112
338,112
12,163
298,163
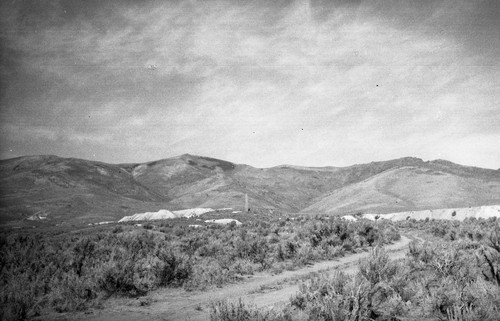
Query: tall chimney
246,202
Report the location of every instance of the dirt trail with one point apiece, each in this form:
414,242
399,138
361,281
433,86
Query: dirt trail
260,290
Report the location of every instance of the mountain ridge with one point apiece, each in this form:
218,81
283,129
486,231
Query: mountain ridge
79,190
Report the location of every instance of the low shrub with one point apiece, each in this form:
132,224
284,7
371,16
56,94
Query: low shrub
76,270
433,282
224,311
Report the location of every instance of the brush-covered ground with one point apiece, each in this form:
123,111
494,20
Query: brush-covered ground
453,275
451,271
64,270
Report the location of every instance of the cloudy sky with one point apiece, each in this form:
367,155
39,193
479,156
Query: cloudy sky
256,82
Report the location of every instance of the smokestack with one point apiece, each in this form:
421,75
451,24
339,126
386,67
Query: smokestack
246,202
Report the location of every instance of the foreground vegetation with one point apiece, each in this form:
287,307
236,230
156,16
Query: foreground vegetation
456,277
76,270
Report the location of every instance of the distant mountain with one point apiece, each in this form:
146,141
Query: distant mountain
68,189
427,186
81,191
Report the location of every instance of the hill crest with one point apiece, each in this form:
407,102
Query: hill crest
78,190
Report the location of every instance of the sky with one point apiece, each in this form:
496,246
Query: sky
264,83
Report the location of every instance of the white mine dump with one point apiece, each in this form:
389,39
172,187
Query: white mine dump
166,214
190,212
149,216
224,221
458,214
349,218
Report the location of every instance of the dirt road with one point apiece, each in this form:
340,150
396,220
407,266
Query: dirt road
260,290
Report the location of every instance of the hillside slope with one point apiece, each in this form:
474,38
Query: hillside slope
66,189
76,190
410,188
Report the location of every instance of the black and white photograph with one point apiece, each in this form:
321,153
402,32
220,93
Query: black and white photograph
240,160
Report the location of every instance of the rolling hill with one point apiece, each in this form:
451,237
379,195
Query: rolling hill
409,188
75,191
